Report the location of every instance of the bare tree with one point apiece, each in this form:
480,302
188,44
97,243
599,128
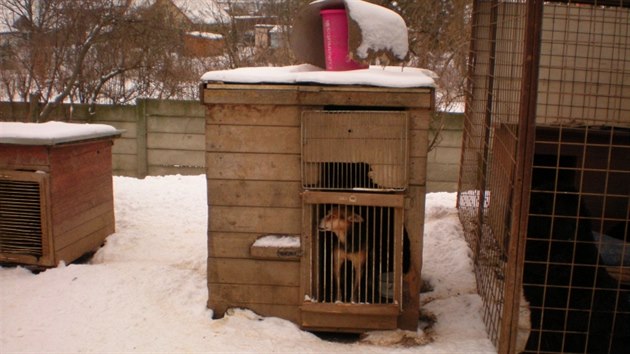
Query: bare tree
439,38
56,37
283,12
115,51
139,57
92,51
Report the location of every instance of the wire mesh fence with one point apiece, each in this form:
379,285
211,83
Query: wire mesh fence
542,196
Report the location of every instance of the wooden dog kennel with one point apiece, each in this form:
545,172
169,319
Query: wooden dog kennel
56,195
269,150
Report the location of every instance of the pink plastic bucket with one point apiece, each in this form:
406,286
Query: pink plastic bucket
335,30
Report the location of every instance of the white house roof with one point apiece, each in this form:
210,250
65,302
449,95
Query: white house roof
197,11
202,11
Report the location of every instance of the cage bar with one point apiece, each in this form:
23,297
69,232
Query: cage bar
355,247
354,251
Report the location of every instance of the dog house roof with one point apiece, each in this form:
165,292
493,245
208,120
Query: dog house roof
389,76
52,133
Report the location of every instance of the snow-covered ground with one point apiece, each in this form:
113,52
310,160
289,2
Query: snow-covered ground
145,290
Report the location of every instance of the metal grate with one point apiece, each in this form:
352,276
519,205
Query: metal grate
355,249
20,218
577,260
355,150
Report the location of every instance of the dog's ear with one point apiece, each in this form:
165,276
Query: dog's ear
355,218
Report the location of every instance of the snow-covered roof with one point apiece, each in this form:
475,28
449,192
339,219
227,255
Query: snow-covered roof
197,11
389,76
202,11
52,133
205,35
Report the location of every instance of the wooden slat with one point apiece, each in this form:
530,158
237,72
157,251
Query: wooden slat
254,193
261,220
254,114
74,200
414,224
230,244
418,143
253,166
253,272
418,171
317,95
260,139
420,119
373,199
91,242
254,294
239,245
20,157
287,312
65,184
89,224
348,317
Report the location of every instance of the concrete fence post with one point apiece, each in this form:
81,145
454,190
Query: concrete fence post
141,138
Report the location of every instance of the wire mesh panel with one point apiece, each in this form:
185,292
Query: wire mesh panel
355,150
577,256
562,246
584,65
490,143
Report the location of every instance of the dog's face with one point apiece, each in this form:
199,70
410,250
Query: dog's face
338,220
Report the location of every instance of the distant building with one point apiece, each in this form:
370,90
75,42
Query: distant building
199,19
269,36
203,44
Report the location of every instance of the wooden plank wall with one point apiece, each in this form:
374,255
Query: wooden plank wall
81,197
254,189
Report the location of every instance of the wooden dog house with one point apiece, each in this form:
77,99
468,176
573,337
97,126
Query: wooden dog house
56,195
269,149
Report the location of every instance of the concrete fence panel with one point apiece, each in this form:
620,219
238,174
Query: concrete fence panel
163,137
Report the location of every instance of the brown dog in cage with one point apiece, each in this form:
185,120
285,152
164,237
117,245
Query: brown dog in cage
350,246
